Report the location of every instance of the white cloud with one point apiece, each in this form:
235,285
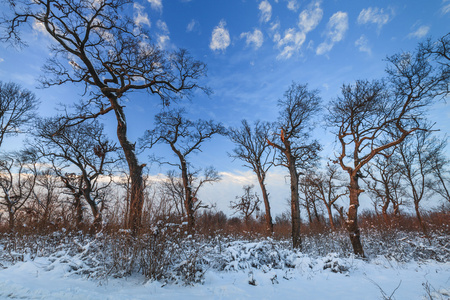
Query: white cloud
162,26
290,43
445,7
140,17
310,17
293,5
39,27
265,11
163,41
193,25
373,15
156,4
256,38
1,60
220,39
363,44
420,32
336,28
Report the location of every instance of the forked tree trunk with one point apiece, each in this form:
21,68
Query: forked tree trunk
268,216
352,217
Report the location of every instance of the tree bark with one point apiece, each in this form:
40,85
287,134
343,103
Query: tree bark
268,216
330,217
295,208
188,200
11,218
352,216
419,218
137,191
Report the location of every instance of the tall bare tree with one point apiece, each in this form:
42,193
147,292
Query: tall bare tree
252,148
96,44
298,108
85,147
17,107
185,137
440,183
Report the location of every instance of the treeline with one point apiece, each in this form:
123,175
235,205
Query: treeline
382,135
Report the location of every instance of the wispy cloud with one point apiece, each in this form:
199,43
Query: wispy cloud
420,32
290,43
265,11
192,26
163,38
374,15
140,17
254,38
220,39
445,7
336,28
310,17
293,39
156,4
1,60
293,5
363,44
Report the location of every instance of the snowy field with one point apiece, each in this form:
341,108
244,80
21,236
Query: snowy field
407,268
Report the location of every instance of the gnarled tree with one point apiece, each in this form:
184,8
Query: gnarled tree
252,148
296,152
97,45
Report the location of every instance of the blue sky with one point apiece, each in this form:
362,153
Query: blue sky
254,49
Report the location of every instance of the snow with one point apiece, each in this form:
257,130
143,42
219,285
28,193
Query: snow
231,269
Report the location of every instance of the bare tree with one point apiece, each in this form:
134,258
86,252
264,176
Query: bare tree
368,112
18,173
97,45
246,204
85,147
184,137
252,148
308,199
440,183
416,162
327,187
297,110
384,182
17,106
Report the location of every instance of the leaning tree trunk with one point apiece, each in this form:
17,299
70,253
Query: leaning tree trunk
352,217
268,216
295,208
137,191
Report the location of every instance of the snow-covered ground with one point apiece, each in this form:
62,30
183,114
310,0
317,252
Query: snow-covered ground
234,270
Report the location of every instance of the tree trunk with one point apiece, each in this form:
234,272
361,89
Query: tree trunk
295,209
188,201
352,217
11,218
268,216
137,191
330,217
419,218
78,211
